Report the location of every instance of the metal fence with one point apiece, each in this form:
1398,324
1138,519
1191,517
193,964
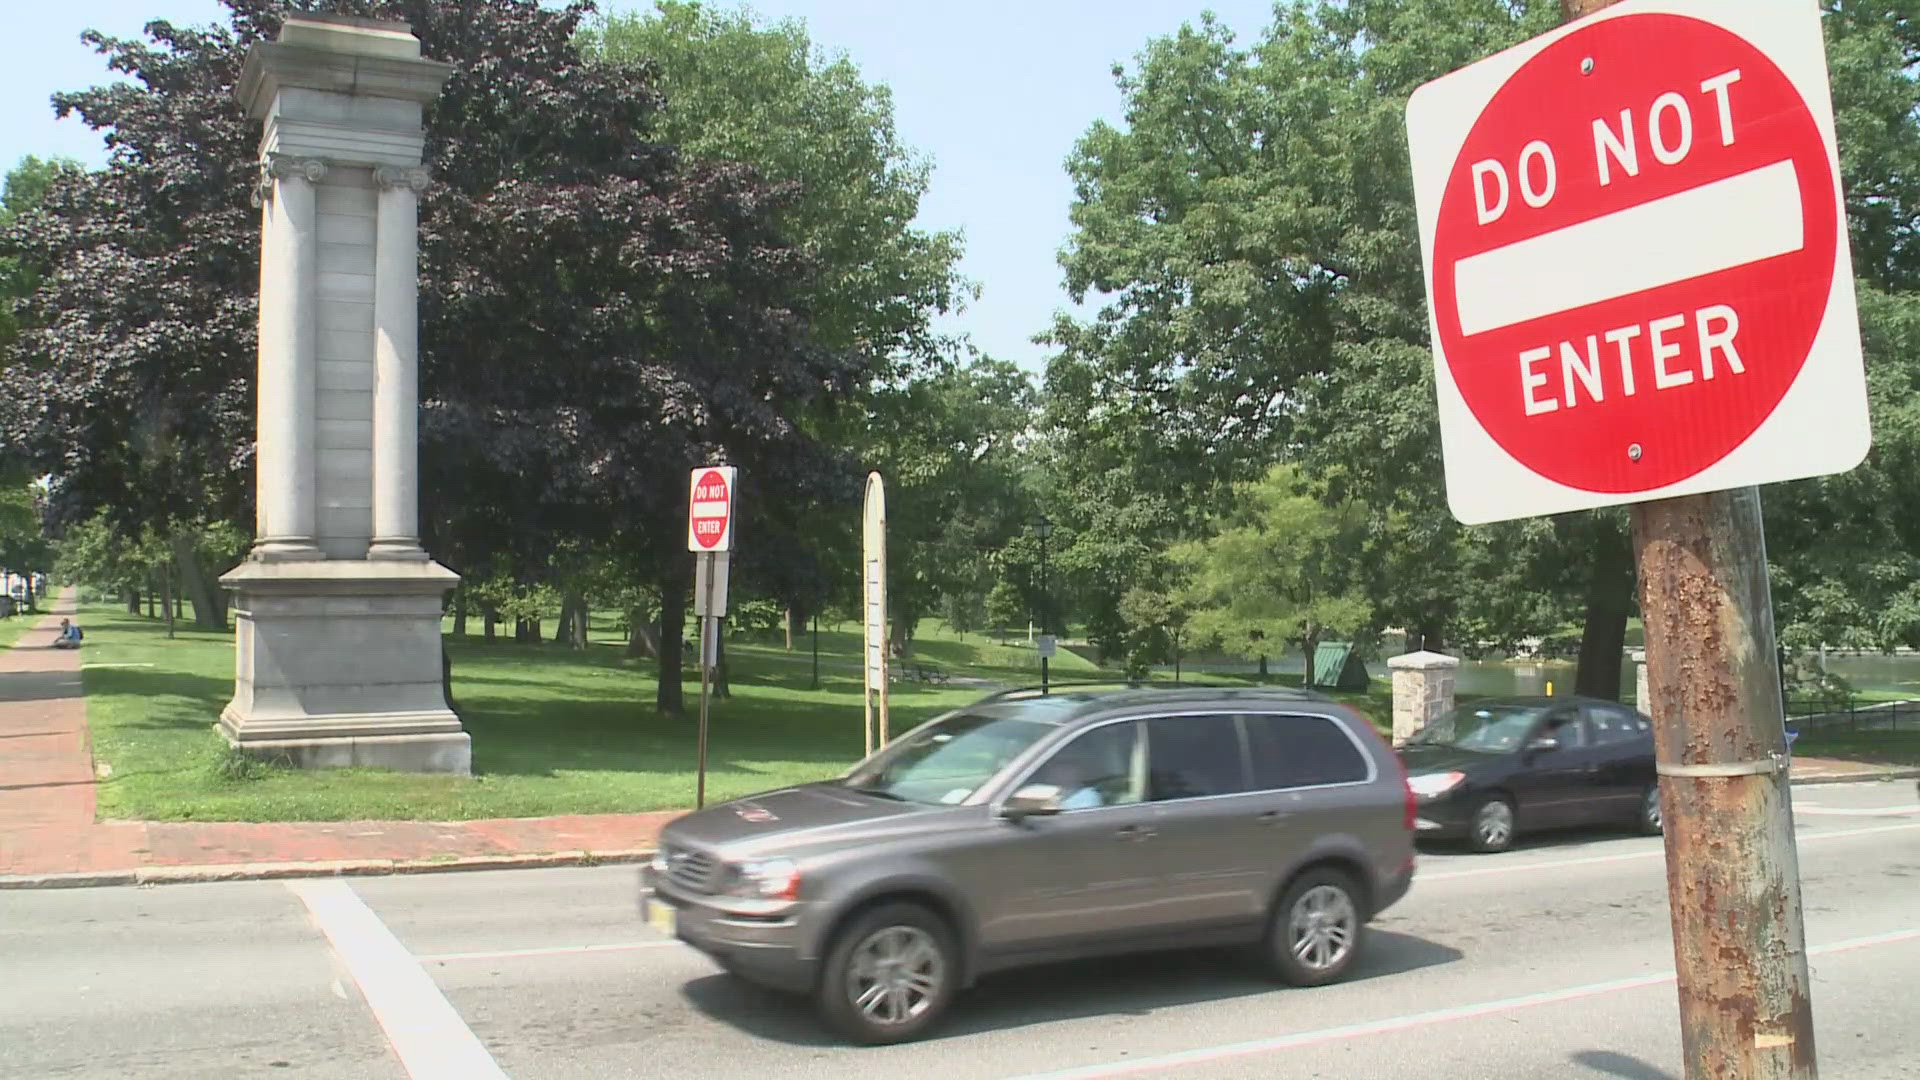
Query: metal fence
1829,716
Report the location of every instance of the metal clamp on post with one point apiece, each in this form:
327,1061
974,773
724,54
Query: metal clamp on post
1774,763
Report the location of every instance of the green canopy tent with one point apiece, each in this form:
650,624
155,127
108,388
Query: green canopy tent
1335,665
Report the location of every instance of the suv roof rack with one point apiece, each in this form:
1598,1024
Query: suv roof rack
1034,690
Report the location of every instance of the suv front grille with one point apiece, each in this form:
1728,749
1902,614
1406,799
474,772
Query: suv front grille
693,871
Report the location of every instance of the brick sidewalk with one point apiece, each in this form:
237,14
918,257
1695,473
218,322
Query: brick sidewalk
47,826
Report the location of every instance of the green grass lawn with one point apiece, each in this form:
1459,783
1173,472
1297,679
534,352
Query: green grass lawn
1880,747
554,732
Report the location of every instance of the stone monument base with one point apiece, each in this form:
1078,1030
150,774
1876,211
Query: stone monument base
338,662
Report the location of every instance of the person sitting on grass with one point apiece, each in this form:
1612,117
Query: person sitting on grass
69,636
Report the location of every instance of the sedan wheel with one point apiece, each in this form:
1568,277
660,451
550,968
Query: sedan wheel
890,975
1492,828
1316,929
1650,821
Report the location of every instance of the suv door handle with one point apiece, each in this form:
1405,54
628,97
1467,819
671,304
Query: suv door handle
1134,832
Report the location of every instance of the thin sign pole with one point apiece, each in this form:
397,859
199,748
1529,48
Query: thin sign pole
1733,874
708,627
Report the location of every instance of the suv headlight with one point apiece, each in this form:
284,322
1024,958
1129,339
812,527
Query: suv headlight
765,879
1429,785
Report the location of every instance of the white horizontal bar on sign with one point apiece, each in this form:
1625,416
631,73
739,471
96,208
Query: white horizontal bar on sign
1717,226
710,509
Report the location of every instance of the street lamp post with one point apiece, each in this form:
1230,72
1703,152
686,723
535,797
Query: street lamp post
1044,529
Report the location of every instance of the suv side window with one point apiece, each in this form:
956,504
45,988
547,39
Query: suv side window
1191,757
1102,767
1301,751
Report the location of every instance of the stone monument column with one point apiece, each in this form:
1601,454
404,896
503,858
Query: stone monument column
396,376
337,608
289,335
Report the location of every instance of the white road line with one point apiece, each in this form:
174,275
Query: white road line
1843,811
1392,1024
1801,840
427,1034
556,950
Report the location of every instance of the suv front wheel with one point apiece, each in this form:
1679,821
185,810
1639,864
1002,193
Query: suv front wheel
1316,928
890,974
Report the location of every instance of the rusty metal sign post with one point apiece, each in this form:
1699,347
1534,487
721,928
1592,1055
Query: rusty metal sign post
1733,872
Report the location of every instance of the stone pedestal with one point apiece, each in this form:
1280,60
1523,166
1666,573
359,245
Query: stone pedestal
1422,691
1642,698
337,608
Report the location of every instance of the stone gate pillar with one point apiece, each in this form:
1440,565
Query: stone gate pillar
1422,691
337,607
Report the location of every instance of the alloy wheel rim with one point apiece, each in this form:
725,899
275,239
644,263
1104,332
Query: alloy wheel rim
1496,823
895,975
1321,927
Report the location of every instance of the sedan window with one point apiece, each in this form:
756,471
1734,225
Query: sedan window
1490,729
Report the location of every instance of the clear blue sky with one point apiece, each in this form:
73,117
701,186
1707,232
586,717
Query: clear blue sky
994,91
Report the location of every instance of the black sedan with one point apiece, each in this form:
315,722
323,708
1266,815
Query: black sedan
1491,770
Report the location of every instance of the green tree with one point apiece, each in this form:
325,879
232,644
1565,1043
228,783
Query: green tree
762,93
1281,568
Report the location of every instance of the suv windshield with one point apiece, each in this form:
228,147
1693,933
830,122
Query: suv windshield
948,760
1493,729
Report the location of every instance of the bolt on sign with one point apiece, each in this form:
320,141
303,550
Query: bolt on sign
710,509
1638,277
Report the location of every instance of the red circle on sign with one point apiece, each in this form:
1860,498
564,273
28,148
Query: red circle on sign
1732,292
710,528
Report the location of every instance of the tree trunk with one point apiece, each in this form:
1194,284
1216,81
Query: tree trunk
641,638
460,613
208,613
1263,665
166,598
1308,646
492,621
796,623
720,687
1609,601
668,698
572,627
153,594
133,601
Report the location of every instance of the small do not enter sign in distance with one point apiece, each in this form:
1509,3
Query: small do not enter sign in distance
710,509
1636,261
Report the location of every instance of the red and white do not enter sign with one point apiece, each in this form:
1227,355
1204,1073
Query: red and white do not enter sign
710,509
1632,255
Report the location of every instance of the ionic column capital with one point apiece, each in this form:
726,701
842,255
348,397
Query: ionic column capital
276,167
393,176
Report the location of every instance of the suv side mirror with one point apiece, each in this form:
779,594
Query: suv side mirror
1034,800
1544,742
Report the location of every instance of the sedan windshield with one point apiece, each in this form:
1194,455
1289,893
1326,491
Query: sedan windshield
948,760
1492,729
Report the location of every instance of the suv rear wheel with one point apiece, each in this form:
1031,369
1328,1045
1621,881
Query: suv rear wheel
890,975
1316,928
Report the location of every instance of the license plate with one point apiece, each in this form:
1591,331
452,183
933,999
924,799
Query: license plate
661,917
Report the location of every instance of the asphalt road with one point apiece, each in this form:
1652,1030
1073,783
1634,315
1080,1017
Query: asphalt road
1550,961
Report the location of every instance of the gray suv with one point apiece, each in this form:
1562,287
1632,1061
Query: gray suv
1034,826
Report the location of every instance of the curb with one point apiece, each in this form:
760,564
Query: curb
1878,776
186,875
